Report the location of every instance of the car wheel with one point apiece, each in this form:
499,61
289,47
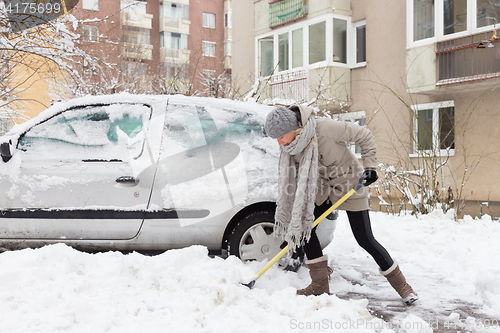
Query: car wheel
253,239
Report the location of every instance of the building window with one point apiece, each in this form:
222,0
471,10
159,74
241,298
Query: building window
134,69
90,33
317,42
209,20
173,70
228,48
454,16
90,4
266,48
361,44
134,6
307,46
297,48
171,40
488,13
340,41
434,126
174,10
208,49
437,20
228,20
136,35
423,19
283,52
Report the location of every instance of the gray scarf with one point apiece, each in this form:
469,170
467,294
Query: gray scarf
297,190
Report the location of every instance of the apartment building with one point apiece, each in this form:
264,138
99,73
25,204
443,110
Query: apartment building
156,46
422,74
303,44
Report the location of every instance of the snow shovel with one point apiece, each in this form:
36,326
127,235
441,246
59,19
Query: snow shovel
316,222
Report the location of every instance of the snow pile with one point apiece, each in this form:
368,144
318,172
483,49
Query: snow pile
449,264
57,288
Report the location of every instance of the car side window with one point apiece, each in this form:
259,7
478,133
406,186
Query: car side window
235,125
183,129
191,126
96,132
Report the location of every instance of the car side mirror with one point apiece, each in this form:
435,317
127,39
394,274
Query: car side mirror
5,151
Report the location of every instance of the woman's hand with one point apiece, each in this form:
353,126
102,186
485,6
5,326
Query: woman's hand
370,176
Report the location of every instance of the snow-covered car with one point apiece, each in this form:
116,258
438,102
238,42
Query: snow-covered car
135,172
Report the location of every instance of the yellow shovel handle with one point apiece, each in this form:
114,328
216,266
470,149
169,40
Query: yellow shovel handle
316,222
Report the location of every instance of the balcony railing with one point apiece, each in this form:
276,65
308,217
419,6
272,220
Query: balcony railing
291,86
174,55
139,20
137,51
174,25
285,11
460,59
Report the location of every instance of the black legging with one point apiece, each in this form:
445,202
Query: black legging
362,231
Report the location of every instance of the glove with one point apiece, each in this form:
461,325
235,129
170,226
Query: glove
370,176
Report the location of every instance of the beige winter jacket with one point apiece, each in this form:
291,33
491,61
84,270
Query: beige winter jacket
339,169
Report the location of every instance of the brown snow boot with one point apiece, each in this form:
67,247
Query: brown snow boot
398,282
320,274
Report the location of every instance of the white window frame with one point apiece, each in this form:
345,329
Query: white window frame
228,20
208,48
208,20
93,37
435,107
328,43
291,48
228,48
167,38
354,50
304,24
439,26
90,4
288,50
180,8
133,6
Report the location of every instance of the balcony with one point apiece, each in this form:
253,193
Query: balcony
138,20
174,25
460,60
174,55
137,51
290,86
285,11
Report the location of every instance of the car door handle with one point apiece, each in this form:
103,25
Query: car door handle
127,181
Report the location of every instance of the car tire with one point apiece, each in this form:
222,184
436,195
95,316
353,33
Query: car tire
253,239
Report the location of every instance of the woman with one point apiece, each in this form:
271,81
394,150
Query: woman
316,168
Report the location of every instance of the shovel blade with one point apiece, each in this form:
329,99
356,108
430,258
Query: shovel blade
250,284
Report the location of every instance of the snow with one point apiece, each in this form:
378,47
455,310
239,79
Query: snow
452,265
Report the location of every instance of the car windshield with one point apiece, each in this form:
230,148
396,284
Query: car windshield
92,131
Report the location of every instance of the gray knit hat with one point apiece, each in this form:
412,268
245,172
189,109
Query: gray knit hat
280,121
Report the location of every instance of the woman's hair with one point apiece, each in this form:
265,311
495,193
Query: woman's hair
296,110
